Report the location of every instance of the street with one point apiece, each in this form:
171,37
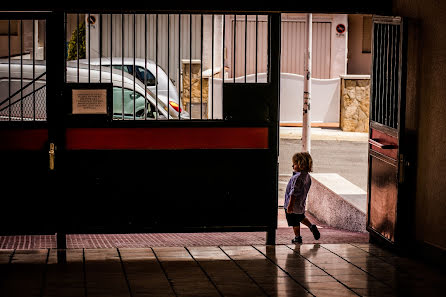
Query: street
346,158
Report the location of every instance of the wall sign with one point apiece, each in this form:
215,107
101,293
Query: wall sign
340,29
89,101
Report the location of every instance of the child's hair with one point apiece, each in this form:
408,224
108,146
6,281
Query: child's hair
304,161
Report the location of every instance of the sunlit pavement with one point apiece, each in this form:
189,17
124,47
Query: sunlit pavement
354,269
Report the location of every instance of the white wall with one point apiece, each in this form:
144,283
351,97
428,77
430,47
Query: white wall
325,100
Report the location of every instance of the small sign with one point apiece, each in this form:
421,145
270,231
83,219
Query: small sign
89,101
340,28
91,19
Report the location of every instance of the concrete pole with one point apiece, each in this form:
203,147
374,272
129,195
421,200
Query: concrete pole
306,124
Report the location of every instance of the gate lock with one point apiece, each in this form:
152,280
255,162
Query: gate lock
51,153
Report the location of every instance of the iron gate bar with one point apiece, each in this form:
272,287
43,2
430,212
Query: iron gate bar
246,37
156,66
9,67
145,63
134,68
256,49
190,66
21,69
168,67
179,64
234,47
212,63
201,69
122,65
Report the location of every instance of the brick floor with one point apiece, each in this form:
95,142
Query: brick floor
284,235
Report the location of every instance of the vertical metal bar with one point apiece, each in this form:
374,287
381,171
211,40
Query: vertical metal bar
168,66
223,56
234,47
156,64
395,77
256,49
212,73
111,48
246,41
375,72
398,58
134,66
145,66
77,47
387,123
65,47
383,73
34,70
9,69
122,63
201,70
190,65
390,77
21,69
89,47
378,76
100,47
180,95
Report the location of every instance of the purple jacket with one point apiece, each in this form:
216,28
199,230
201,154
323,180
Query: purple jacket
298,186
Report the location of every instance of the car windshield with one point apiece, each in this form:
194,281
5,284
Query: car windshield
140,71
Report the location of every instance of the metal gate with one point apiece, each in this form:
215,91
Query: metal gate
116,151
388,205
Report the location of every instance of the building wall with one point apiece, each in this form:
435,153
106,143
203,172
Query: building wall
358,62
427,87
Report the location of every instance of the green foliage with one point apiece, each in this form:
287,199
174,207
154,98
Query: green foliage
79,33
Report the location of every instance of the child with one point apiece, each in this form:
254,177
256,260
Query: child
296,196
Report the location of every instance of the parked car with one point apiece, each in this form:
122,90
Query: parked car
154,77
16,79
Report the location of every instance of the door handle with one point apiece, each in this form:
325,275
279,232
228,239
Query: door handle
52,155
383,146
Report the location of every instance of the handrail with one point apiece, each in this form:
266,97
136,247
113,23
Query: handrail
21,99
384,146
24,87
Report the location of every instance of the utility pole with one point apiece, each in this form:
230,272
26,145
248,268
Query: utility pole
306,119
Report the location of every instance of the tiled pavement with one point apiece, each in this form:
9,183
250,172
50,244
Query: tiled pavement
284,235
360,269
341,263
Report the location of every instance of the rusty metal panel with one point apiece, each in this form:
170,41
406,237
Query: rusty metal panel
383,194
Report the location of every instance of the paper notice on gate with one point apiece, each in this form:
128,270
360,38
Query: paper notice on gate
89,101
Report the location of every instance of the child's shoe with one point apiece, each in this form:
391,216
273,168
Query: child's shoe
315,232
297,239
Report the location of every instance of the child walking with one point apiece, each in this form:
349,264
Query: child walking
296,196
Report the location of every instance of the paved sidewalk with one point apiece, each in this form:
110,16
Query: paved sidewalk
250,270
323,134
284,234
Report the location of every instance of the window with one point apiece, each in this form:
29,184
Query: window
150,78
134,105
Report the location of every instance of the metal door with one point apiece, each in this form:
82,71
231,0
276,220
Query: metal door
24,134
386,136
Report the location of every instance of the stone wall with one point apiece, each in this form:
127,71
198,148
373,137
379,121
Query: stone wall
355,100
200,87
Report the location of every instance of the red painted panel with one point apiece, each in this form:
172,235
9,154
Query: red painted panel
23,139
385,139
166,138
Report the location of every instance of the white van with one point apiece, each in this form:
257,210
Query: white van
21,98
155,78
